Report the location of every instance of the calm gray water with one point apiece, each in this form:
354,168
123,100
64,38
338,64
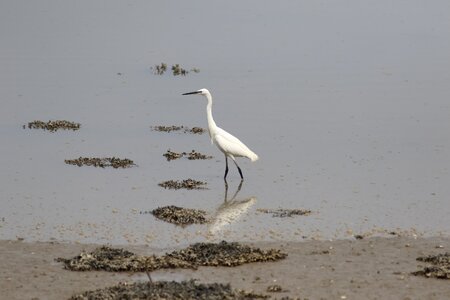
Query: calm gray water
346,103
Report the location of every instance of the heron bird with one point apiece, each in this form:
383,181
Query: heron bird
230,145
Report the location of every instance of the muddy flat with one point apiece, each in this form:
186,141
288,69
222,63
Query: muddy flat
345,126
372,268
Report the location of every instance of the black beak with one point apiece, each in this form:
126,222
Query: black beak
191,93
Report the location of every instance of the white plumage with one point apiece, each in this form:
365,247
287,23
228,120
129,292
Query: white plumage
230,145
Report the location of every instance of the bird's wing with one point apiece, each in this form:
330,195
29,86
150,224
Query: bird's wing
231,144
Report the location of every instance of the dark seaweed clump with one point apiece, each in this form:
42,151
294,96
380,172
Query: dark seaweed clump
225,254
180,216
189,184
282,213
200,254
101,162
275,288
440,266
170,155
118,260
54,125
160,69
168,290
193,155
198,130
176,69
162,128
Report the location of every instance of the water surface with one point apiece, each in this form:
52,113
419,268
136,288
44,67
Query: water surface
346,103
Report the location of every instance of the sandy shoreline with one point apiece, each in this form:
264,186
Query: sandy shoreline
372,268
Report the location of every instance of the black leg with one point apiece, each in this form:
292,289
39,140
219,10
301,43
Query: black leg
239,169
238,189
226,168
226,191
240,172
240,186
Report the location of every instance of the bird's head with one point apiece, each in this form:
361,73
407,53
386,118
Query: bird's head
199,92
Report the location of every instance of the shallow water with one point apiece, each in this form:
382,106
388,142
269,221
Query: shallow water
346,103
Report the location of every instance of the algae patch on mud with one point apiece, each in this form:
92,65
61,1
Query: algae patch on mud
184,129
439,268
225,254
54,125
193,155
101,162
119,260
275,288
160,69
282,213
179,215
170,155
189,184
168,290
176,70
196,255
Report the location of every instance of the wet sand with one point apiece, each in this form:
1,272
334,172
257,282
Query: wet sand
372,268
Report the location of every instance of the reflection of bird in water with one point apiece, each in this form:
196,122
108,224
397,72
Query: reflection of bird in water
230,210
230,145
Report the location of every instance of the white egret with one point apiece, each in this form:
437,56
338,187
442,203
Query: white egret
230,145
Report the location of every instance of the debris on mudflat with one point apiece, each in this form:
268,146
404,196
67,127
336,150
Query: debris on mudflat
193,155
276,288
166,128
200,254
54,125
170,155
198,130
440,266
160,69
176,69
225,254
189,184
101,162
179,215
282,213
168,290
119,260
162,128
321,252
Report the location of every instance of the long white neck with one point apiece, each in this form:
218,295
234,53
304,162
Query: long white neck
211,124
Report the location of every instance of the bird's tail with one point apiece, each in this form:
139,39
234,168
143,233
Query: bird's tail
253,156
